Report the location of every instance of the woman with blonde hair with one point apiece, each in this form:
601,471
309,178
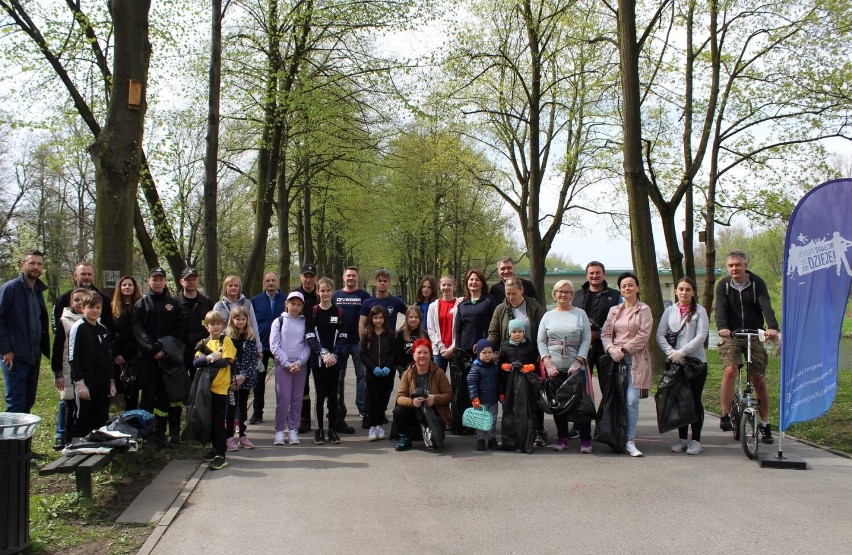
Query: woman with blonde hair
232,296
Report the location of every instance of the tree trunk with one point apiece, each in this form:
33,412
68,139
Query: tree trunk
284,253
308,237
117,150
211,166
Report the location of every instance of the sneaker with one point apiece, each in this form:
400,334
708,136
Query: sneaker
218,463
256,418
766,432
294,437
694,448
59,445
380,432
480,445
680,446
493,445
304,426
345,428
373,434
725,423
246,443
572,433
404,443
208,456
561,444
231,444
585,446
174,440
333,437
540,438
631,449
319,438
279,438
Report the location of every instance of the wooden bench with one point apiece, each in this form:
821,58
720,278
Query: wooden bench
81,465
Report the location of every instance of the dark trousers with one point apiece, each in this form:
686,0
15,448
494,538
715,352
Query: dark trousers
378,395
260,385
325,386
306,400
696,384
241,406
218,416
406,422
92,413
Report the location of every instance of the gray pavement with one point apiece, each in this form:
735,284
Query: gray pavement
363,496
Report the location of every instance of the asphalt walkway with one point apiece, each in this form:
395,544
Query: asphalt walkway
363,496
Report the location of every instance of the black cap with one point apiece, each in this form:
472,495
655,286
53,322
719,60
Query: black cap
157,272
309,269
189,272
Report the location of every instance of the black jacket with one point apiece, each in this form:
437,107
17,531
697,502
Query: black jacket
195,310
90,353
744,309
154,317
596,305
379,352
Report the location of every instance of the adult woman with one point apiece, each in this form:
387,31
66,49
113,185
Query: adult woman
526,309
689,320
427,293
124,345
421,374
564,337
440,321
473,314
232,296
625,338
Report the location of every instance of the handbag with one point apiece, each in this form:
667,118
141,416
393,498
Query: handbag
479,419
671,336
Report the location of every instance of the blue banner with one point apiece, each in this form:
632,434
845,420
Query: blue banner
816,288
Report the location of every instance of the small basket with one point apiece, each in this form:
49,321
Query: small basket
478,419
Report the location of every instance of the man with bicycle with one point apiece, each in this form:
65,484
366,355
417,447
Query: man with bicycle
742,302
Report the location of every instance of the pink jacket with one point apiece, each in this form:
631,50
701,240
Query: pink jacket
640,326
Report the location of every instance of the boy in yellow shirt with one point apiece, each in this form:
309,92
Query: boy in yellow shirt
217,354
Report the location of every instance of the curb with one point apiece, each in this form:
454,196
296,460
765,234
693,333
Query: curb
172,512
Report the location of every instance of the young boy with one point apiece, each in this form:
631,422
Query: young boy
519,360
217,354
90,357
483,388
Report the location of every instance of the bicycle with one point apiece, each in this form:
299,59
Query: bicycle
743,412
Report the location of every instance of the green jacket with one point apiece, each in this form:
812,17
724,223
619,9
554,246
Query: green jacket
498,330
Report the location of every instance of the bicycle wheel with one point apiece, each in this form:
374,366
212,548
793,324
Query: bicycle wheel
735,418
750,434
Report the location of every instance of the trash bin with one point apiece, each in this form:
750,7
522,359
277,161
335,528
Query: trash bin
16,436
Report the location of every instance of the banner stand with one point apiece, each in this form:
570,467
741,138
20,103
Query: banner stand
789,461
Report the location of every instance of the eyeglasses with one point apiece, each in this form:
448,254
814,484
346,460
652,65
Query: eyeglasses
563,292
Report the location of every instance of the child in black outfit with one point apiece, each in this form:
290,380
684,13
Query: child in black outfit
378,356
519,362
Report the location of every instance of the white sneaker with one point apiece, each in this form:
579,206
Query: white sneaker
694,448
294,437
279,438
380,431
631,450
373,434
680,446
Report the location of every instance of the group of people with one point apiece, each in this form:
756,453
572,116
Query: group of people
497,345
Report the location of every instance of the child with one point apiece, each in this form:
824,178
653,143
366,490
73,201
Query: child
90,358
287,342
326,336
410,331
218,353
377,355
483,387
243,376
62,369
518,359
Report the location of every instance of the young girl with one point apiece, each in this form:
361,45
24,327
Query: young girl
377,355
232,296
427,293
62,368
287,342
326,336
519,360
244,365
410,331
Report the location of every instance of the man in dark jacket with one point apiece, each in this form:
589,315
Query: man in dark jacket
24,333
195,306
742,302
268,306
506,269
155,316
595,298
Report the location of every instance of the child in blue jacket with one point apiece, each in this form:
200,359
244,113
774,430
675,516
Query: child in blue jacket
483,388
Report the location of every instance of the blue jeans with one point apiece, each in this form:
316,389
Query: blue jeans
441,362
21,385
60,420
632,401
360,383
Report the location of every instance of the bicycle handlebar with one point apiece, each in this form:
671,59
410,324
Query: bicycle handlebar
748,334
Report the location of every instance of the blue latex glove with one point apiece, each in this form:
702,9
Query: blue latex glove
377,372
386,371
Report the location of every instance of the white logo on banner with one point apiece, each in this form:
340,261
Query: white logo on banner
819,254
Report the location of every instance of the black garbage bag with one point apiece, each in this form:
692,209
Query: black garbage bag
559,394
675,404
606,366
611,417
460,367
199,406
584,408
140,420
518,425
431,426
175,374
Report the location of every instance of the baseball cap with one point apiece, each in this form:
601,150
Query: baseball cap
189,272
296,295
157,272
309,269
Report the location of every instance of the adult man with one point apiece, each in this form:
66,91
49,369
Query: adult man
195,306
84,276
595,298
742,302
24,334
308,289
506,269
393,305
268,305
349,299
155,316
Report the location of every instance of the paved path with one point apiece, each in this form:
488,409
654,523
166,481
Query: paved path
365,497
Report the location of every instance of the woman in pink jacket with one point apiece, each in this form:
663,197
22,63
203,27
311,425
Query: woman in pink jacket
625,336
